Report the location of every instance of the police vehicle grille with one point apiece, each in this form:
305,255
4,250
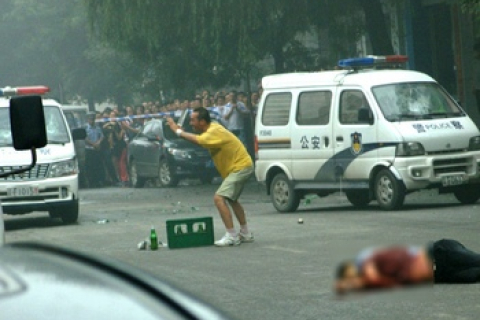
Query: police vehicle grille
458,165
39,171
450,151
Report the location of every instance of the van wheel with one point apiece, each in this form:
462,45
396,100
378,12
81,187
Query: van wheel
389,192
137,182
359,198
282,194
166,176
467,194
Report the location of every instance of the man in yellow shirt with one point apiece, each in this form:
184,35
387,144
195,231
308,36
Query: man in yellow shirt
234,165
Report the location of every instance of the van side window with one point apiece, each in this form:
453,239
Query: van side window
276,110
314,108
351,102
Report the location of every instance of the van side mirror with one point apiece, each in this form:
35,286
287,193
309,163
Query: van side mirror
27,123
365,116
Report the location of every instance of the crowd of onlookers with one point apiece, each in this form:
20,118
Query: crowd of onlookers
107,137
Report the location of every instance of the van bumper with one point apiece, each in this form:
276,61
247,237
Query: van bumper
438,171
39,195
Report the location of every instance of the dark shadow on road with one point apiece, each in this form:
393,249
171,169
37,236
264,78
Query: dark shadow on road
29,222
374,208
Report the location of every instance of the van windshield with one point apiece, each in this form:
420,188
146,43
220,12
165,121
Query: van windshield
55,127
414,101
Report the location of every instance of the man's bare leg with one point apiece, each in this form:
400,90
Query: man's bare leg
239,212
224,211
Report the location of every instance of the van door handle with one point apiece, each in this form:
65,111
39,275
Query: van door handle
340,138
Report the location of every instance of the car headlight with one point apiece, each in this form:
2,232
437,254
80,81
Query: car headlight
182,154
409,149
64,168
474,144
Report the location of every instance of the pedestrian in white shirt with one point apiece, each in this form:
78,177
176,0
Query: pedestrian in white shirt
234,113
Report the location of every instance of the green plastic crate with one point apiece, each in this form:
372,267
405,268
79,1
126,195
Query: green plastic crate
185,233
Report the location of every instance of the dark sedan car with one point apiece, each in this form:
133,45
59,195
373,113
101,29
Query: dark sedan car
157,153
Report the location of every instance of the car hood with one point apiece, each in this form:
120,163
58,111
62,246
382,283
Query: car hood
184,145
46,282
439,134
50,153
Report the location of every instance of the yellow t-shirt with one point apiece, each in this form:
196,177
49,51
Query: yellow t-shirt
227,151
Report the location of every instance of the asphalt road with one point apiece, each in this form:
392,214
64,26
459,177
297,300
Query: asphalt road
287,273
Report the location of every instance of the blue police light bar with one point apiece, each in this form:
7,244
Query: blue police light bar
372,61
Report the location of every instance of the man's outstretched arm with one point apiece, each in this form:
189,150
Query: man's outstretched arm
185,135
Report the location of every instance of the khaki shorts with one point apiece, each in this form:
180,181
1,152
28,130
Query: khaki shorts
232,186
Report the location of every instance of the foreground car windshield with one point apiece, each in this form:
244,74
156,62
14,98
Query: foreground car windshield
55,126
415,100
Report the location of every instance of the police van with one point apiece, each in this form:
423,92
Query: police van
370,130
52,184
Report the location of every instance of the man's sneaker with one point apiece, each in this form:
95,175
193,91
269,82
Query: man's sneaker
228,240
246,237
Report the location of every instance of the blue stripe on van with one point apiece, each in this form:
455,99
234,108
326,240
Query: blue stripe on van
344,158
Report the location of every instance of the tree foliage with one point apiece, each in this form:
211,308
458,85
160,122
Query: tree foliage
47,43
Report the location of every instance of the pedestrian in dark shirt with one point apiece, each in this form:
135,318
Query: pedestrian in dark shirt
93,153
443,261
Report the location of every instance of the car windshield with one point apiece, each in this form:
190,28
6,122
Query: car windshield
55,126
415,100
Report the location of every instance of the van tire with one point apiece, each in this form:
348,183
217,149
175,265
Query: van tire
283,195
389,191
359,198
467,194
137,182
166,175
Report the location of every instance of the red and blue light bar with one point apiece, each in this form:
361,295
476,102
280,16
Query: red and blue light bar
19,91
372,61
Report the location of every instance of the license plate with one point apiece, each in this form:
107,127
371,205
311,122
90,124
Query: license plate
22,192
453,180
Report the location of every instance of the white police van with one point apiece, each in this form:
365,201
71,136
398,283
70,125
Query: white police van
373,133
52,184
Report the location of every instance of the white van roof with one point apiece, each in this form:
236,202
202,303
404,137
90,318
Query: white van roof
364,78
74,107
5,102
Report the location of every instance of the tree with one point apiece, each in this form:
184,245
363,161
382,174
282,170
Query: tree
186,39
376,27
47,43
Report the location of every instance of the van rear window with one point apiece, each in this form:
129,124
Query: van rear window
276,110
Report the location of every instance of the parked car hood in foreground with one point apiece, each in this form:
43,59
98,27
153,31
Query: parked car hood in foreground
46,282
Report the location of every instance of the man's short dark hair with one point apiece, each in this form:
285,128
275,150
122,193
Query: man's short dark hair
203,114
342,268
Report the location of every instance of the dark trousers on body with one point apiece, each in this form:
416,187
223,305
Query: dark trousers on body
93,164
454,263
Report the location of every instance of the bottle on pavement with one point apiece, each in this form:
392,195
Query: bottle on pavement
153,239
